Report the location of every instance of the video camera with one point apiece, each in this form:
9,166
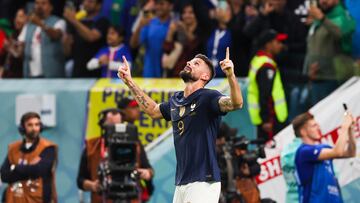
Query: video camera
249,157
117,170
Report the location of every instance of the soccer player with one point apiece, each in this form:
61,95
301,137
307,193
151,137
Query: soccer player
316,178
195,114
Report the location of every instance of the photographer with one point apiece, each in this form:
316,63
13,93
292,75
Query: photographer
88,179
248,168
239,163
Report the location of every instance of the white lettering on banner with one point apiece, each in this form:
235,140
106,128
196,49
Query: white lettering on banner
269,169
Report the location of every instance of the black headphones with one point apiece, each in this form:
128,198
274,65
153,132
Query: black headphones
102,115
27,116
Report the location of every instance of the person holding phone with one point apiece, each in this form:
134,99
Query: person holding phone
314,168
328,59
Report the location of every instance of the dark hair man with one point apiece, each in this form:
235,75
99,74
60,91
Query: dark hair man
29,167
314,168
195,114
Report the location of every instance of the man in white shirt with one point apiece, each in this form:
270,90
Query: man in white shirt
41,38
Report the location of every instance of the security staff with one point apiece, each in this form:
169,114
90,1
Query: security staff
266,96
29,167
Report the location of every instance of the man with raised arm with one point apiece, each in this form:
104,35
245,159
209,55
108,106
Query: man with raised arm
195,114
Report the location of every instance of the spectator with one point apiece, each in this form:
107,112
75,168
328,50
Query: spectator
90,159
14,61
128,17
109,58
88,34
182,42
5,33
242,13
152,34
354,7
274,15
314,168
220,37
266,96
328,47
147,13
41,41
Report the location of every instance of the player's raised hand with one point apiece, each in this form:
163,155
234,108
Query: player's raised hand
227,65
124,72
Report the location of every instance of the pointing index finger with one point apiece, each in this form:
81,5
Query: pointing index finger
227,54
125,61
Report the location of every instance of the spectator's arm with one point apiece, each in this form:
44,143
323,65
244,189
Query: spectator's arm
265,79
138,35
43,167
340,26
53,33
67,44
254,28
90,35
332,28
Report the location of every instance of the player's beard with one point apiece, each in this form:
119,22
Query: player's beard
186,76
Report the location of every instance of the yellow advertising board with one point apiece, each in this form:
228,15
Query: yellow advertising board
107,92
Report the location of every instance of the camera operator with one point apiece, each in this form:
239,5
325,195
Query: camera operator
88,179
131,112
247,169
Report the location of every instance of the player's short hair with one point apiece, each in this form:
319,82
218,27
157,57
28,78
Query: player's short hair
209,65
299,122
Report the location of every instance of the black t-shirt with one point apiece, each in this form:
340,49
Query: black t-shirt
83,51
195,120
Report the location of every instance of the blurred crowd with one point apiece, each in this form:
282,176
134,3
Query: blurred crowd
87,39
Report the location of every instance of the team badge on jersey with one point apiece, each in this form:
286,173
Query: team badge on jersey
181,111
192,106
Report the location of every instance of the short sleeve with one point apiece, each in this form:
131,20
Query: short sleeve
21,37
61,25
214,97
310,153
165,110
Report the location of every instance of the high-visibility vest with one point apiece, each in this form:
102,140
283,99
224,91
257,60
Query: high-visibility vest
277,93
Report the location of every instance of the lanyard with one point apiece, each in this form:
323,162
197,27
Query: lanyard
218,35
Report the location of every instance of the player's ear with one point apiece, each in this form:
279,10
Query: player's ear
205,77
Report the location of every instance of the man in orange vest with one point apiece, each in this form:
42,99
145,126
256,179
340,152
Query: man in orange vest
90,159
29,167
